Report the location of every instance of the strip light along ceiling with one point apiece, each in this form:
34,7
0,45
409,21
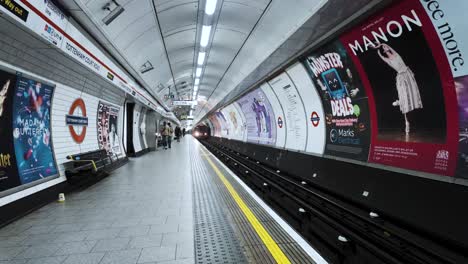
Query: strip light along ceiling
197,81
205,36
201,58
198,72
210,7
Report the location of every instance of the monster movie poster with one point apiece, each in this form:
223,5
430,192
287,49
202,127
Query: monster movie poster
8,170
32,130
108,131
260,119
344,101
412,96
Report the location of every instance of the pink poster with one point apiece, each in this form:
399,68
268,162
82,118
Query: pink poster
412,99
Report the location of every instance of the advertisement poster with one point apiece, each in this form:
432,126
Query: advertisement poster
279,115
259,116
108,131
8,169
414,109
448,19
216,131
461,86
315,116
344,100
295,118
32,130
223,124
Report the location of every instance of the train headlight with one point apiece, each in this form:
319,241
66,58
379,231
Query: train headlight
197,134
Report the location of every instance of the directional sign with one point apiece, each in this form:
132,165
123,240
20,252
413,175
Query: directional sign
184,102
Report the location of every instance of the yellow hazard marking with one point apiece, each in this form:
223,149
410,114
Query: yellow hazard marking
271,244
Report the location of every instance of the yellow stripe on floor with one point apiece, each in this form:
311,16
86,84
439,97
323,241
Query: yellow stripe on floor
271,244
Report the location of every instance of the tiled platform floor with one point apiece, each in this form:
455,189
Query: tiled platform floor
142,213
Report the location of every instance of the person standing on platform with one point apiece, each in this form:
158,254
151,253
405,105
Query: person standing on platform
183,132
164,130
170,131
177,133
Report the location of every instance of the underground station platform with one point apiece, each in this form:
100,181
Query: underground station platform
180,205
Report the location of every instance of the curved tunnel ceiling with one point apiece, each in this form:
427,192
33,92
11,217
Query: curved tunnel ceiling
166,34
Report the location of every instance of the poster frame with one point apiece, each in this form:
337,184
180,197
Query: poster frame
16,71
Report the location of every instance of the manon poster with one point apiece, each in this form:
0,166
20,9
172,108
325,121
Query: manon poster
32,130
412,95
344,100
107,121
8,170
260,121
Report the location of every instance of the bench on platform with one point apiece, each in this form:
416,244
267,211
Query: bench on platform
90,165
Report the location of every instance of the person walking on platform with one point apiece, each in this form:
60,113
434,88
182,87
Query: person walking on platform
170,131
177,133
183,132
164,130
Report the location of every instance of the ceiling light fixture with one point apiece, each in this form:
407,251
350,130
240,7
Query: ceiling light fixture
198,72
114,13
197,81
201,58
195,89
146,67
210,7
205,35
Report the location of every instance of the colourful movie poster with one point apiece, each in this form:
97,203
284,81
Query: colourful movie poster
32,130
260,119
107,124
344,100
414,110
8,169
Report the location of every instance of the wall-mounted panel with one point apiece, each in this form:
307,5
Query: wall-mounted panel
293,106
279,115
313,106
344,101
259,116
414,107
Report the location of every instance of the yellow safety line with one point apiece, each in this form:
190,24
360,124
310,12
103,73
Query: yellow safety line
271,244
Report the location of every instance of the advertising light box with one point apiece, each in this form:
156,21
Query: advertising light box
32,130
344,101
412,96
259,117
313,106
293,106
279,116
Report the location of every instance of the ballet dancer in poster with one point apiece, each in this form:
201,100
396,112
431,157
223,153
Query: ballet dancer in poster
409,97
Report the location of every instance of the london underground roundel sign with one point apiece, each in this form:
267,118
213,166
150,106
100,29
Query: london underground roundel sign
315,119
77,121
280,122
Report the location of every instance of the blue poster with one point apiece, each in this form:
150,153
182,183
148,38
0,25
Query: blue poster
32,130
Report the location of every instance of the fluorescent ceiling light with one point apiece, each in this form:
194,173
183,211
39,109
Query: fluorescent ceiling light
205,35
201,58
198,72
195,88
197,81
210,7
